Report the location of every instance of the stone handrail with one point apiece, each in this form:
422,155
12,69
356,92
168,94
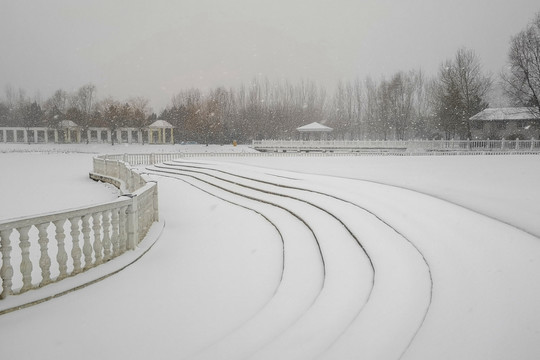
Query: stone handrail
406,146
40,250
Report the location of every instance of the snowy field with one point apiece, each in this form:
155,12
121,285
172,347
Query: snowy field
298,258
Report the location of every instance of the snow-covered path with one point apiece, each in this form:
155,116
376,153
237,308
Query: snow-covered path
440,286
263,264
357,252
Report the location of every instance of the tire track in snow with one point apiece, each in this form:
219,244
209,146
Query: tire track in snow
195,170
401,235
174,176
311,204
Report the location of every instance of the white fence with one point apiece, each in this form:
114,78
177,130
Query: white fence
396,146
142,159
40,250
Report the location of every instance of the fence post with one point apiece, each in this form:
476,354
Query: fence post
6,271
118,169
155,202
133,223
130,185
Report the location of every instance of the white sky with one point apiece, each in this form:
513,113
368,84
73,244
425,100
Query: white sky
157,48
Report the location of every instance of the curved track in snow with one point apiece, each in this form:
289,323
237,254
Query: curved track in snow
338,214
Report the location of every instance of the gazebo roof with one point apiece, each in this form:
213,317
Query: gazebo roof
67,124
314,127
160,124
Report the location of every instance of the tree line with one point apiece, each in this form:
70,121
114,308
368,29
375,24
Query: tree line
81,106
405,105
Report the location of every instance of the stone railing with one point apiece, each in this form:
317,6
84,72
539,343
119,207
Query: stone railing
44,249
405,146
144,159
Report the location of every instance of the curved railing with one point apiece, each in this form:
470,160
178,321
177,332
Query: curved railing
40,250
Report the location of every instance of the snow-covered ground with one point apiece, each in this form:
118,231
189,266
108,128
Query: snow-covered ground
38,178
303,258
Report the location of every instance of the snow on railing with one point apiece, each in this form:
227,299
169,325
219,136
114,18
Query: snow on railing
39,250
405,145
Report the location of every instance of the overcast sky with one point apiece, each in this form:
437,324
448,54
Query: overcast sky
157,48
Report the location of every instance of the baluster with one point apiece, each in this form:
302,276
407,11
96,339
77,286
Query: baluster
106,236
44,260
61,257
98,246
26,264
6,271
87,247
149,212
132,224
122,223
115,232
155,203
76,249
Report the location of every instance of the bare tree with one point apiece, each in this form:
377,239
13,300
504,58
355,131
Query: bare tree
402,90
55,108
82,104
16,101
342,114
522,79
460,92
140,110
84,98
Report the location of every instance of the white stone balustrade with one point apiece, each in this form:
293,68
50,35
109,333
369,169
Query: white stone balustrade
405,146
38,250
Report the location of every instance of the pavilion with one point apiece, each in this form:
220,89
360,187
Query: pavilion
160,132
314,131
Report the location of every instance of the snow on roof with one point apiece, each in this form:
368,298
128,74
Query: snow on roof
67,124
510,113
160,124
314,126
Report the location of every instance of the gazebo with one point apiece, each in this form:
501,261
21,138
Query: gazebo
314,131
160,132
69,130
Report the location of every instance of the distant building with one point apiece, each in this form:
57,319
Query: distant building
506,123
314,131
159,132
